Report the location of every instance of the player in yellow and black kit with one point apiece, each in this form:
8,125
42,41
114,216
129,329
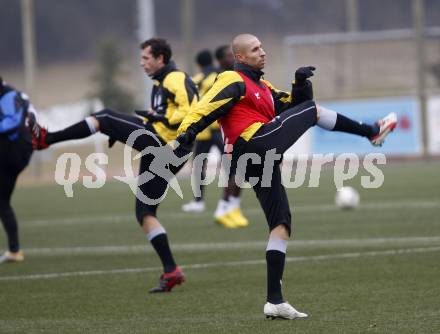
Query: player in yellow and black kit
228,212
173,95
209,137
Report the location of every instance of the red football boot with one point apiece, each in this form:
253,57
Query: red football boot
168,280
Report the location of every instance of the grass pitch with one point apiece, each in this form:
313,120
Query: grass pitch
88,265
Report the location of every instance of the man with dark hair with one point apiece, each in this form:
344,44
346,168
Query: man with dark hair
225,58
256,119
204,59
173,95
17,117
159,47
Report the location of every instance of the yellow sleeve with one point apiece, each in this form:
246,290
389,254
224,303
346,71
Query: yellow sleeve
185,95
227,90
198,78
206,84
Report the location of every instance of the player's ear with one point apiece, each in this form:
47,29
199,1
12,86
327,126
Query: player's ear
161,59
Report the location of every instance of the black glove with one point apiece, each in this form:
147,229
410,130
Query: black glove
301,92
303,73
186,138
152,117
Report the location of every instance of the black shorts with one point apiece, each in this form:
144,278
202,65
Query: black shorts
279,134
119,127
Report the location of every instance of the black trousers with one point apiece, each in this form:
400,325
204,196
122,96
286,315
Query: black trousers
278,135
15,156
203,147
119,127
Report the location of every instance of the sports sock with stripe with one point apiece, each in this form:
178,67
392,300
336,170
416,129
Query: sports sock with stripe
159,240
331,120
76,131
275,258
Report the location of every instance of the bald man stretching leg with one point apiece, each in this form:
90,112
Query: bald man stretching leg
256,118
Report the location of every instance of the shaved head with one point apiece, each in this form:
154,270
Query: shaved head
240,42
248,50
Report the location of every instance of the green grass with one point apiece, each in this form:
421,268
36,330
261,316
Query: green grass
369,290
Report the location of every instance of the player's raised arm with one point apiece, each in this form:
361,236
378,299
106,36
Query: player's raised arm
281,99
302,90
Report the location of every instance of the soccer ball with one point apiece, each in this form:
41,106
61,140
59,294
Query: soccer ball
347,198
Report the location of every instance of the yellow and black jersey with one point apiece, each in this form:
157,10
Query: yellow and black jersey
198,78
204,81
227,91
174,95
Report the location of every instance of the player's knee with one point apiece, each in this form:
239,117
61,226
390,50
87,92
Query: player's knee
318,112
98,118
286,221
93,124
281,230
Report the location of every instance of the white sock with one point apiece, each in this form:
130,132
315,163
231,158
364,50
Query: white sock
222,208
155,232
91,125
234,201
327,118
277,244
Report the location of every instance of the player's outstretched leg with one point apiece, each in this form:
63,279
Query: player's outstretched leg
376,133
386,126
116,125
42,139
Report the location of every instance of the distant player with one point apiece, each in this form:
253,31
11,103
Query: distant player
17,117
173,95
228,212
209,137
256,118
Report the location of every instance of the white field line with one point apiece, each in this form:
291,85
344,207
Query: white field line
224,264
225,246
253,211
